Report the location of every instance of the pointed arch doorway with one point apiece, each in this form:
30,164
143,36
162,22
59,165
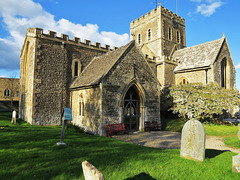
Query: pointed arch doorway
131,110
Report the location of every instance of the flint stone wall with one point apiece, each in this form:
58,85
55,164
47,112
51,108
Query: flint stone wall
43,67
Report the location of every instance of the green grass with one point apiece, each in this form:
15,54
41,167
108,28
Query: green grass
232,141
220,130
176,125
30,152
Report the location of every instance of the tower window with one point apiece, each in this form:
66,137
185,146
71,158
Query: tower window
139,39
149,34
178,37
170,33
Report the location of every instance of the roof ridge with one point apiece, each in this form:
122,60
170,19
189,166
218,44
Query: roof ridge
102,55
102,72
222,38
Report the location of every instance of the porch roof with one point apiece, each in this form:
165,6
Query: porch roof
98,68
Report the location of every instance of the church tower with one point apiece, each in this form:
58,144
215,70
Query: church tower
159,34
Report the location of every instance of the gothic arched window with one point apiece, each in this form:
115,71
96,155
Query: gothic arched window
139,39
76,68
149,34
223,72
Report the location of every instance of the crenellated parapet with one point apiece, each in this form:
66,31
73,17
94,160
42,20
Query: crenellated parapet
171,14
38,32
159,11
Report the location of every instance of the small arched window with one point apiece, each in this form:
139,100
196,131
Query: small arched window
178,37
139,39
149,34
81,105
76,68
170,33
183,80
6,92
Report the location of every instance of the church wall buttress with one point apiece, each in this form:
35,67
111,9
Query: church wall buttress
27,73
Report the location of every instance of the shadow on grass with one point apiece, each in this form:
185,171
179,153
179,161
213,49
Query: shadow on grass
142,176
212,153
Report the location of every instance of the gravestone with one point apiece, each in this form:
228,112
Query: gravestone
193,141
14,116
91,172
236,163
238,134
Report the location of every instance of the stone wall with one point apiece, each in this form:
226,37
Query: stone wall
230,70
198,76
158,21
45,68
12,85
120,79
169,46
27,75
91,117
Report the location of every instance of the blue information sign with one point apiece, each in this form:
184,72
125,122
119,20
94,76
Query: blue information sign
68,114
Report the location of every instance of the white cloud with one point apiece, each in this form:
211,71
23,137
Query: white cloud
208,10
207,7
237,66
17,18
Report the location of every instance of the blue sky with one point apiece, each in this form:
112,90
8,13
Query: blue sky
108,22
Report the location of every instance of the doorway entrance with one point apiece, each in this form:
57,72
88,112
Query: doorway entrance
132,108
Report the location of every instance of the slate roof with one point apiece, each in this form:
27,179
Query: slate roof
98,68
199,56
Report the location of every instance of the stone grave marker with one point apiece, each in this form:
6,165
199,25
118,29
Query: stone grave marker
91,172
193,141
236,163
14,116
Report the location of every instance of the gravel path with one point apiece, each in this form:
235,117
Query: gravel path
170,140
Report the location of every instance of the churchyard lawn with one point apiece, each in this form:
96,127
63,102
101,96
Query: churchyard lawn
176,125
30,152
228,133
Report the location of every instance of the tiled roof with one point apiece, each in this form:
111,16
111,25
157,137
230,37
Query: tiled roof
198,56
99,67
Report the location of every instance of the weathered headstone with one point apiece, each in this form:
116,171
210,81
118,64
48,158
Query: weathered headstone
236,163
193,141
91,172
238,134
14,116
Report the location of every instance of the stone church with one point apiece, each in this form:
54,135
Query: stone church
106,86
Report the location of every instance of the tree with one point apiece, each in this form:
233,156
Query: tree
197,101
13,86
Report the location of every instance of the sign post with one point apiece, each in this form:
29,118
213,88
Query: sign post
67,116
